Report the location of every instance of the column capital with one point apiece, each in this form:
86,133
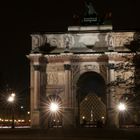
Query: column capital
36,67
67,66
111,66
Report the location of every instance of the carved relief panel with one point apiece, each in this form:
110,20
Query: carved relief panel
55,74
108,40
52,78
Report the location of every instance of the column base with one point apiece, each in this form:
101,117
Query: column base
112,119
68,118
35,119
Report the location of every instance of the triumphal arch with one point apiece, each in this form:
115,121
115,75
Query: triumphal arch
82,70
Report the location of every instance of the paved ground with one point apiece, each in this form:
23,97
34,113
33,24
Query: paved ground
70,134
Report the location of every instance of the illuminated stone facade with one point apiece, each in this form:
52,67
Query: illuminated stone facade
58,60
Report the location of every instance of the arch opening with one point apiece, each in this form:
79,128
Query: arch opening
91,100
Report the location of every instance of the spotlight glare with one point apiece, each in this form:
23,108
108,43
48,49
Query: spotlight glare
10,99
122,107
54,107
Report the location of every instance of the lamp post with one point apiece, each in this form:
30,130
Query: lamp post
11,100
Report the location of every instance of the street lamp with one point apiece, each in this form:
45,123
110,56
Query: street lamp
11,100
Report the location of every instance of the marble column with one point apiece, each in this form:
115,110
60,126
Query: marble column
37,87
35,112
111,112
68,113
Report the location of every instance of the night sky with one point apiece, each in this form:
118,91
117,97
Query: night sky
20,18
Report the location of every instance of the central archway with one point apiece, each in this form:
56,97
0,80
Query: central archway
91,99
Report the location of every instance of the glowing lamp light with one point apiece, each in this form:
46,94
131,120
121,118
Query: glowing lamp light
13,94
122,107
83,117
102,117
54,107
10,99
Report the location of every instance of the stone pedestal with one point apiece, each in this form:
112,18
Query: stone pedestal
35,117
68,118
112,119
